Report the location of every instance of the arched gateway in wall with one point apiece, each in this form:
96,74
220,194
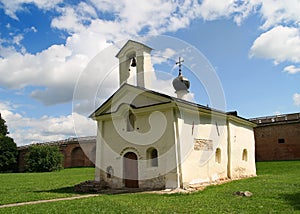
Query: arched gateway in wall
77,157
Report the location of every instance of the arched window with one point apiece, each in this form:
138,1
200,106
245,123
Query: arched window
245,155
152,157
218,155
130,121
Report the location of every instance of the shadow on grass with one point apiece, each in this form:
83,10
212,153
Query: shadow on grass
70,190
63,190
292,199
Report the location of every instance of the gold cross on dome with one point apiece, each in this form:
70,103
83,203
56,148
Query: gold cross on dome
179,63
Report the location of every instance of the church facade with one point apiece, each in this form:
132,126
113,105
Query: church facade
147,139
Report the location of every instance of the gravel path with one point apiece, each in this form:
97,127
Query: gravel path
46,201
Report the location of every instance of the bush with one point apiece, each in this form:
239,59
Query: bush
43,158
8,154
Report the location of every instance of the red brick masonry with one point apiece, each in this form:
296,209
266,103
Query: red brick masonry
77,152
277,137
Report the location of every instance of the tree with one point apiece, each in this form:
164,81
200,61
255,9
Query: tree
43,158
3,127
8,149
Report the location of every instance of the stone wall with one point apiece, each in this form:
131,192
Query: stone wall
277,138
114,182
77,152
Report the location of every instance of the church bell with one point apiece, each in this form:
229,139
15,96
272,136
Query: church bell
133,62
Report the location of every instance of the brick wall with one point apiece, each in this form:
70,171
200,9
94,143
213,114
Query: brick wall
277,140
76,151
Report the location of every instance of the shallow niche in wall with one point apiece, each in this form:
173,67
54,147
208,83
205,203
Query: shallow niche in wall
218,155
109,172
245,155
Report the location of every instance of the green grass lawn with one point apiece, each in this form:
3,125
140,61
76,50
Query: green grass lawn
276,189
22,187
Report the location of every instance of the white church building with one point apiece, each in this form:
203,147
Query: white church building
147,139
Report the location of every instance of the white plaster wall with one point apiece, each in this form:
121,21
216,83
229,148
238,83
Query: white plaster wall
241,137
98,151
144,72
114,146
200,166
134,97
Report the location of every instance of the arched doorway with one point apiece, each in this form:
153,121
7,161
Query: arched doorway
131,170
78,157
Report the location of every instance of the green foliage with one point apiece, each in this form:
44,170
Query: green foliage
8,154
8,149
43,158
3,127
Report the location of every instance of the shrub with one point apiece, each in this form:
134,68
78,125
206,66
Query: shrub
43,158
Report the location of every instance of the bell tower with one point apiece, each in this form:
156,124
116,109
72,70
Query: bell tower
135,66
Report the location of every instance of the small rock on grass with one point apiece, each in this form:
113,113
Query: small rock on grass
241,193
248,194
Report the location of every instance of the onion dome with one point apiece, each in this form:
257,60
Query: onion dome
181,83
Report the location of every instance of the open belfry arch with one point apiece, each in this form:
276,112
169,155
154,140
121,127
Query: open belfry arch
147,139
135,65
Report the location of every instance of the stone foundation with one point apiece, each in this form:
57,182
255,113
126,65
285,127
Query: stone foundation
103,187
91,186
154,183
113,184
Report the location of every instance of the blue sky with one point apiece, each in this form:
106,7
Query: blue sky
254,47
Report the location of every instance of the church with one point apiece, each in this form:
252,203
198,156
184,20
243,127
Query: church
147,139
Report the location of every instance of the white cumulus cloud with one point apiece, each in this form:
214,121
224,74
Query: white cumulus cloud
56,69
291,69
280,12
11,7
296,99
238,10
26,130
281,44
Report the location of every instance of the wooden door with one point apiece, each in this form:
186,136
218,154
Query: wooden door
131,170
